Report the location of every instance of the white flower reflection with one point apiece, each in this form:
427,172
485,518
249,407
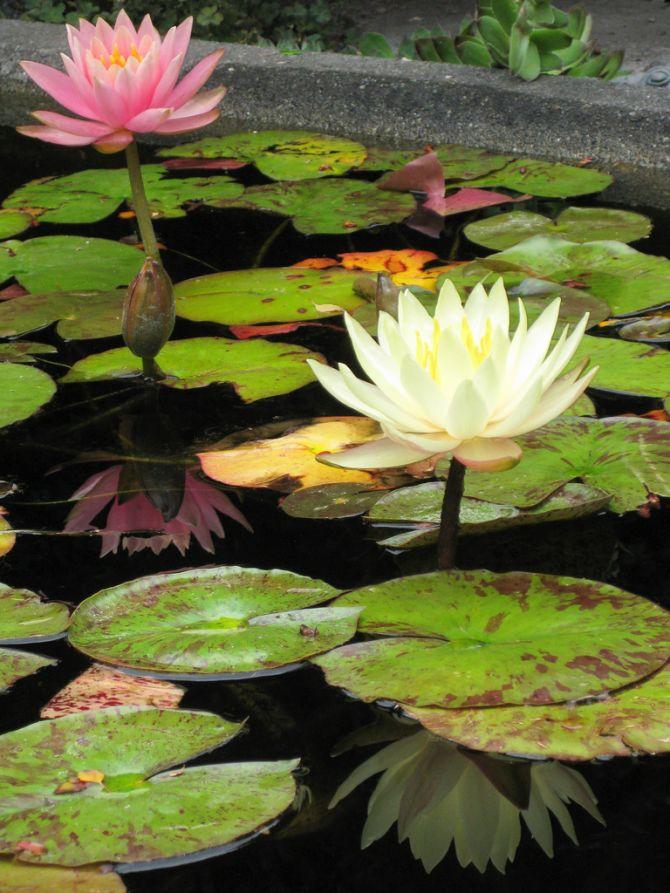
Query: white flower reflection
439,794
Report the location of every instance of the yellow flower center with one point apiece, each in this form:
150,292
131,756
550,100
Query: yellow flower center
116,58
427,351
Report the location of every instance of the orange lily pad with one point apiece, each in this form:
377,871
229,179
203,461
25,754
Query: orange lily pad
288,462
406,266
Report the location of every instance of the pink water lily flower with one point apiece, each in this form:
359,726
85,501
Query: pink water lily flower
121,81
197,515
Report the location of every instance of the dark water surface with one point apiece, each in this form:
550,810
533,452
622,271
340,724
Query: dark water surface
298,714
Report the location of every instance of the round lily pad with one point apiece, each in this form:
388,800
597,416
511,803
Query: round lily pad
330,501
275,294
17,877
546,178
479,639
69,263
624,457
14,665
279,154
25,617
326,206
422,505
629,722
458,162
575,224
23,390
212,622
84,789
91,195
23,351
255,368
626,367
80,314
13,222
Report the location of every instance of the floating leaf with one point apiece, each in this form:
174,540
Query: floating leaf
479,639
7,535
89,196
13,222
14,665
650,330
458,162
99,687
17,877
422,504
629,722
69,263
330,501
134,816
574,224
289,463
217,621
80,314
625,457
255,368
25,617
273,294
23,390
23,351
326,206
279,154
627,368
546,178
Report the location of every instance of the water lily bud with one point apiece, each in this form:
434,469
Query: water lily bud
148,311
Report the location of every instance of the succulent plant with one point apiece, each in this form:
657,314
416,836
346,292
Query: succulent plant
529,37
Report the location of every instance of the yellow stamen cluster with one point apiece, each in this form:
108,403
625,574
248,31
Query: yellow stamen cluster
116,57
477,350
427,351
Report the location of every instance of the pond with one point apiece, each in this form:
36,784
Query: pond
212,473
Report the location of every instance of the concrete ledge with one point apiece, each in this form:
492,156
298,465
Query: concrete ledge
624,128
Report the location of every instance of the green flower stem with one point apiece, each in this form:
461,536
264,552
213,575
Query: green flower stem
451,505
140,203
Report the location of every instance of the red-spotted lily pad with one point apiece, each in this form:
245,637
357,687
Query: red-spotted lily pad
279,154
632,721
23,351
14,665
93,787
265,295
212,622
256,368
25,617
478,639
625,457
80,314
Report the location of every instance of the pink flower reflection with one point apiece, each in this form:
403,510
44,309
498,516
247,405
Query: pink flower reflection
197,515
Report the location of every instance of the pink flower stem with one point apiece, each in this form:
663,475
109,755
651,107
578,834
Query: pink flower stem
140,203
449,520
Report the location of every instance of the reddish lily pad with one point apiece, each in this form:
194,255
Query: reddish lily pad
632,721
478,639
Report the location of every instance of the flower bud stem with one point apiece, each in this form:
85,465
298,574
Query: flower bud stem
140,203
449,523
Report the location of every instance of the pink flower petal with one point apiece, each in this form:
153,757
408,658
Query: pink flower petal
123,23
148,121
58,86
193,81
113,109
200,104
182,37
147,29
424,174
72,125
115,142
52,135
182,125
83,86
167,81
468,199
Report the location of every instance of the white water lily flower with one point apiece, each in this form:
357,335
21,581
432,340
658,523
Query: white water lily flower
456,382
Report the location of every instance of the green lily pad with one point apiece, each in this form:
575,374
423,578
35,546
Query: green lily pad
220,621
422,505
14,665
25,617
625,457
23,390
13,222
326,206
91,195
255,368
327,502
133,815
546,178
23,351
80,314
648,330
574,224
69,263
479,639
626,279
626,367
458,162
274,294
17,877
629,722
279,154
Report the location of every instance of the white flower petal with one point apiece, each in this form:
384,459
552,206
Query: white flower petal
383,453
449,310
454,362
511,424
537,341
488,454
416,381
414,321
431,444
498,309
560,396
467,413
476,308
385,410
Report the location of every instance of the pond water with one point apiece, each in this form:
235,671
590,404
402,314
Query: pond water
91,426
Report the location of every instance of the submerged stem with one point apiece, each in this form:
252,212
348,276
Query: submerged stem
451,504
140,203
269,242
